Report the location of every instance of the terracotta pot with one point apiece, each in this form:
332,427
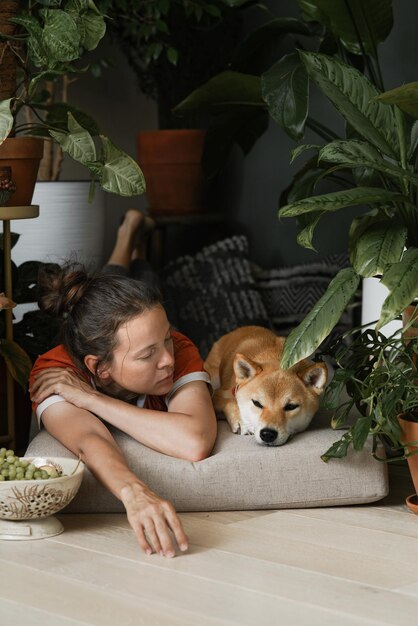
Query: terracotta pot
23,155
170,160
410,435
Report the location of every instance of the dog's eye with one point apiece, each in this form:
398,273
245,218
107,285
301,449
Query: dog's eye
290,406
257,404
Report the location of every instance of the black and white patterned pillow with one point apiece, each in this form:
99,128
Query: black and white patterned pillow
213,292
289,293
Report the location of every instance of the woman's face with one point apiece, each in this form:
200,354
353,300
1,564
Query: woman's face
143,361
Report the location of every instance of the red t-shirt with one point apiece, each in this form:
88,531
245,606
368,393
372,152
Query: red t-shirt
188,367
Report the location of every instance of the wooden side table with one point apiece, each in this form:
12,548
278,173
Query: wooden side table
7,214
157,244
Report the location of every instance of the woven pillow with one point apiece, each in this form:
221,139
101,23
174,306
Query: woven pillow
213,292
289,293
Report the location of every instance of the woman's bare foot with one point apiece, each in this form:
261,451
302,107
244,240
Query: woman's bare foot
126,239
143,234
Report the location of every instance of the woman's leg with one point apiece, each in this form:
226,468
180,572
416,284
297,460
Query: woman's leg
129,253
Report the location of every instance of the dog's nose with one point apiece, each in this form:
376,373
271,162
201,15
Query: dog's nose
268,435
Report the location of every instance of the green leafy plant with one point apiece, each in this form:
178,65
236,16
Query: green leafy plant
267,78
50,45
174,46
378,377
380,153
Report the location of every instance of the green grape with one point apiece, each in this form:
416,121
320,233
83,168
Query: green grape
14,468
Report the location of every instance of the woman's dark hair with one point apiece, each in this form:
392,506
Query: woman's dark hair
92,308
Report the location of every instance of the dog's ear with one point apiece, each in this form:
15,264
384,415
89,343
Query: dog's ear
314,376
245,368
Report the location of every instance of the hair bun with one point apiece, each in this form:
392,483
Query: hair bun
60,288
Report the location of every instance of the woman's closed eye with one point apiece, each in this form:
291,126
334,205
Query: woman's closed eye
146,356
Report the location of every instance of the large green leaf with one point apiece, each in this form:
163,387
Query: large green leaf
17,361
307,224
371,20
243,125
285,88
6,119
355,154
305,338
402,281
341,199
256,52
228,88
120,173
36,49
405,97
375,244
60,37
78,142
354,97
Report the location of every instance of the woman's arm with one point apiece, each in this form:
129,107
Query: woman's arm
150,517
186,431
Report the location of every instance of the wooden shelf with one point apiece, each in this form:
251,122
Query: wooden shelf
8,214
19,212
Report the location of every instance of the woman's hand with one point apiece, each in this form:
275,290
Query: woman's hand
154,521
65,383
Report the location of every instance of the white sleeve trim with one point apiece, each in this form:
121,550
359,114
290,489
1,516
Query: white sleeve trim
183,380
45,404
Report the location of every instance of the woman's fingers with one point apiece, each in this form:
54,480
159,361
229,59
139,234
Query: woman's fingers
154,521
177,529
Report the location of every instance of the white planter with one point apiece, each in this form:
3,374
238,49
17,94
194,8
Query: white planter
374,293
67,226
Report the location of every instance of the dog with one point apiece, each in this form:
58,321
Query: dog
255,394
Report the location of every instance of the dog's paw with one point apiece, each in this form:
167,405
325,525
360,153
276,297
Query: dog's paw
236,428
247,430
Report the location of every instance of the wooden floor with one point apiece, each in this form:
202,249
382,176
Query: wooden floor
336,566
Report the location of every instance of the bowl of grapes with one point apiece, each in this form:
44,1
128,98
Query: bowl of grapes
32,490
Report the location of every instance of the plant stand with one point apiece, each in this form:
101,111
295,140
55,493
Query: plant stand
6,215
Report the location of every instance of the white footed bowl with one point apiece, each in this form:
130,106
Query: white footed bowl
34,499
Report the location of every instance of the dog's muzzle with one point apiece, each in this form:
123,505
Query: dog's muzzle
268,435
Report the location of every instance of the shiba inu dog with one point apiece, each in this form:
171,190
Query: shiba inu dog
255,394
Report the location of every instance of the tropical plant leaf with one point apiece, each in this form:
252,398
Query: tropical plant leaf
360,431
354,97
77,142
341,199
60,37
285,88
368,20
255,52
228,88
17,361
300,149
355,153
375,244
120,173
405,97
307,224
243,125
36,49
402,281
6,119
305,338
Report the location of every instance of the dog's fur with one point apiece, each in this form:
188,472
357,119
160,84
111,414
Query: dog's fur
255,394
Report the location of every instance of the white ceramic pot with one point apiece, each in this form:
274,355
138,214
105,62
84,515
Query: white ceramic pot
67,226
374,293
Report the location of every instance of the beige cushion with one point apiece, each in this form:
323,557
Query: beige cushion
240,474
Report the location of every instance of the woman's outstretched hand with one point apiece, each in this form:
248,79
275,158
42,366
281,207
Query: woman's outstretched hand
153,520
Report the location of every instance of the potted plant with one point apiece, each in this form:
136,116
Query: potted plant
374,394
50,44
173,47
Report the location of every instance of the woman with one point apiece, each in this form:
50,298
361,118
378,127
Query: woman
121,363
